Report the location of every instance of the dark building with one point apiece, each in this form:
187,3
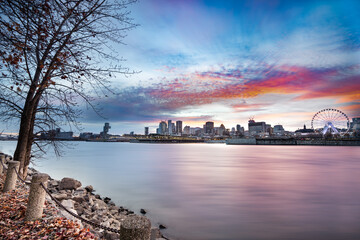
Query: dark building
57,135
105,131
209,127
146,131
179,127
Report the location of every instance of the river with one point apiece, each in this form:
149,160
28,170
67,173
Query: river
216,191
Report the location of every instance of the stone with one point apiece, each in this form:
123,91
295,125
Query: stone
143,211
80,192
69,204
89,188
155,233
78,199
107,200
69,184
61,196
54,183
111,236
116,223
80,210
162,226
97,196
101,204
91,201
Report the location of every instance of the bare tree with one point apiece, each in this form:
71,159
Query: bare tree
53,54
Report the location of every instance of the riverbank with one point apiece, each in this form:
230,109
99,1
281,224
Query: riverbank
56,222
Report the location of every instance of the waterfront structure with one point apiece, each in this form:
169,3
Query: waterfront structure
269,129
304,131
330,120
86,135
209,127
104,133
57,135
255,128
279,130
179,127
146,131
355,124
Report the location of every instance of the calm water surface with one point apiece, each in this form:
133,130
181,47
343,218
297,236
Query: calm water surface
206,191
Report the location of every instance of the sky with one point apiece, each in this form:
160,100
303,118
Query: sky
228,61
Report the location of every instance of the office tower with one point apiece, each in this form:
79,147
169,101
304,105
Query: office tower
179,127
162,128
169,127
209,127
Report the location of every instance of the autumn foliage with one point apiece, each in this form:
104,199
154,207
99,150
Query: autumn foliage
12,224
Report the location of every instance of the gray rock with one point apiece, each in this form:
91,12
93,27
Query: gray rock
78,199
102,204
111,236
162,226
69,204
61,196
69,184
155,233
89,188
54,183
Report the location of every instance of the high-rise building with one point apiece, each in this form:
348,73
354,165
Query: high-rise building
105,131
209,127
179,127
162,128
256,128
240,130
187,130
169,127
146,131
173,128
222,130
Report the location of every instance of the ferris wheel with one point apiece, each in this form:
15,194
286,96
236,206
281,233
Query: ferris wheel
330,120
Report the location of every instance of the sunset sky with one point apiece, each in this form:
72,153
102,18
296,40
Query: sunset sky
227,61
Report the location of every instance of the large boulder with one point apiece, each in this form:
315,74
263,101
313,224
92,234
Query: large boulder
69,184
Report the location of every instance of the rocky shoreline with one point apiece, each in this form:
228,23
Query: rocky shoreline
84,202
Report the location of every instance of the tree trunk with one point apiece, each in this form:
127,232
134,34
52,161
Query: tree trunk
23,150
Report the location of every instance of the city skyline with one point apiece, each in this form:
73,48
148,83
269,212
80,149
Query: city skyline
277,61
197,61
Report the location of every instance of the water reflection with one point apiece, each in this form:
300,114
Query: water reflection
204,191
